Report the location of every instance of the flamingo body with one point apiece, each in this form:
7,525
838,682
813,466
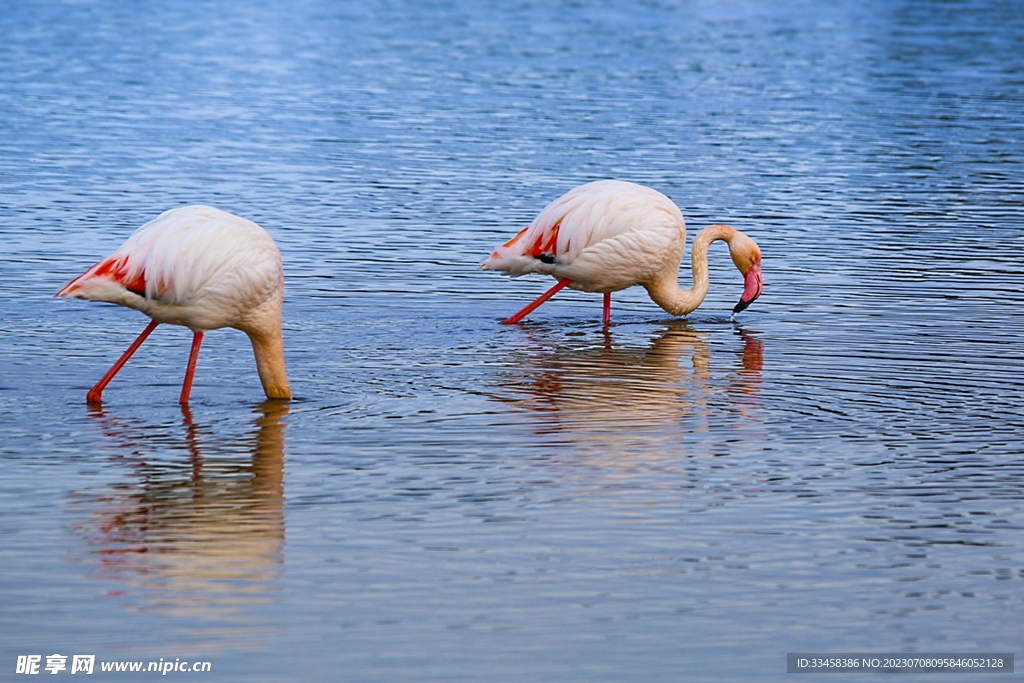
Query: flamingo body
603,236
204,269
608,235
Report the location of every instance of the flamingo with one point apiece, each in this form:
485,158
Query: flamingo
202,268
608,235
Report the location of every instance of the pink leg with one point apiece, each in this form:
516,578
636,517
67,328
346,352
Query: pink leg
536,302
606,318
95,394
190,371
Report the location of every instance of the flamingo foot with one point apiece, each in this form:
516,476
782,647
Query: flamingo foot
190,370
535,303
95,394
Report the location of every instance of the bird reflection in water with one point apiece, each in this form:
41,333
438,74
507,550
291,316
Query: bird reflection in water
615,399
198,535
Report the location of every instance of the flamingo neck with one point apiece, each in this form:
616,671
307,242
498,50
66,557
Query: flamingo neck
269,354
263,326
666,292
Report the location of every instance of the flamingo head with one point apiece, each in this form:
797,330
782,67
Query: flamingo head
747,257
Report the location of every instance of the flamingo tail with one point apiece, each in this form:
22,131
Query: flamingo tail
106,281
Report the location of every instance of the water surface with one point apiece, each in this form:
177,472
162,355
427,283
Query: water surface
447,498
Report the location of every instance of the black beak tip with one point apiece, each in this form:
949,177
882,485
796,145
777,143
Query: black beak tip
740,306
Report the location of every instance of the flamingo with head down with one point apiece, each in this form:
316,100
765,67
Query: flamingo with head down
609,235
202,268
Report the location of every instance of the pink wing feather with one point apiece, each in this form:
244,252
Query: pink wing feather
195,266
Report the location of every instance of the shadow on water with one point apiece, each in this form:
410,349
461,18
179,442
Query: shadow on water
200,537
620,397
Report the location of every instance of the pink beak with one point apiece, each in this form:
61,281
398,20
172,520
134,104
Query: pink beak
751,288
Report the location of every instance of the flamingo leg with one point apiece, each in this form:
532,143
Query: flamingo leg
190,370
95,394
606,317
535,303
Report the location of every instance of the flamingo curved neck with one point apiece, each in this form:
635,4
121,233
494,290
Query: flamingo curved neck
269,353
666,291
263,327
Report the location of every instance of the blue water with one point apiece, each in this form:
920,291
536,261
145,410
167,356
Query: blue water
838,470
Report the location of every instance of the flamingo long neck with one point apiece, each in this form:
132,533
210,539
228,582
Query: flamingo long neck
665,291
263,326
269,352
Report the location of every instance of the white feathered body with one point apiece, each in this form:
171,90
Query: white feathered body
603,236
194,266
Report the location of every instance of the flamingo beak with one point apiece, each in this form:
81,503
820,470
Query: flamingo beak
751,288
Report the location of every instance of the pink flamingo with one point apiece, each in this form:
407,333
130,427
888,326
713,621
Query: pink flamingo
609,235
202,268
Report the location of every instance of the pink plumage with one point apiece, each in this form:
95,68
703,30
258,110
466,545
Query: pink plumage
608,235
202,268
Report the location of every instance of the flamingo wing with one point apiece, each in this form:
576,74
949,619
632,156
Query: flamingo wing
195,266
604,236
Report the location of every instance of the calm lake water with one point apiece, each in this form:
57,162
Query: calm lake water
838,470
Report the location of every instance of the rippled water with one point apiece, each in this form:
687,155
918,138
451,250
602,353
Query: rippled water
452,499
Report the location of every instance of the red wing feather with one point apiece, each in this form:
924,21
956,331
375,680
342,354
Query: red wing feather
546,242
113,268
